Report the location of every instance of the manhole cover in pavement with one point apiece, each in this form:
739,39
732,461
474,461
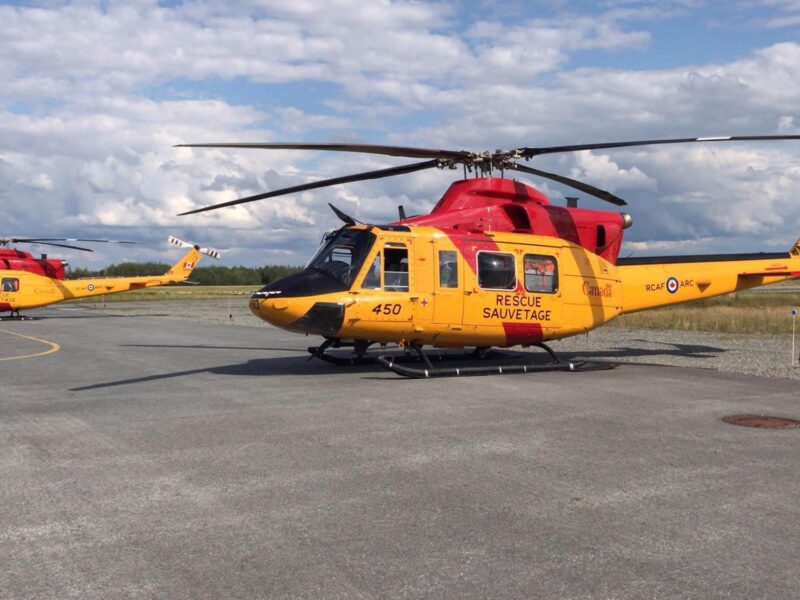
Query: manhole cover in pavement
762,422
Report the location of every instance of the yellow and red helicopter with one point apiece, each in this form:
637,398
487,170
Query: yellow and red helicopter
29,282
13,259
495,263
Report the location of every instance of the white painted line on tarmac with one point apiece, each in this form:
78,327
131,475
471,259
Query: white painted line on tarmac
53,347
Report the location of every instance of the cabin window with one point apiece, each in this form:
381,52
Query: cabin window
541,273
10,284
448,269
395,277
372,280
496,271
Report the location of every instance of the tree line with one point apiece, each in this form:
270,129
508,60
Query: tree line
202,275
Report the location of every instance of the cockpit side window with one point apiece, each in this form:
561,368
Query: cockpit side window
372,280
343,254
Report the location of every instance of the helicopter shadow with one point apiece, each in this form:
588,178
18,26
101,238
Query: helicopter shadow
210,347
91,316
620,353
257,367
298,365
283,365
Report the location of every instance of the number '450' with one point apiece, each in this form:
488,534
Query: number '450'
387,309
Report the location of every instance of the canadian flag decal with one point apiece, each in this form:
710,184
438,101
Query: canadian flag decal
188,264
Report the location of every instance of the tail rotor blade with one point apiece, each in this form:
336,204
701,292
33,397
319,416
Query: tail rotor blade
211,252
181,244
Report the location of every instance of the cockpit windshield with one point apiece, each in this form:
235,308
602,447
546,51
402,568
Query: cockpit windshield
342,254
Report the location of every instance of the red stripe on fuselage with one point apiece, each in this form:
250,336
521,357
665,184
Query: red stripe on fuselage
523,333
468,244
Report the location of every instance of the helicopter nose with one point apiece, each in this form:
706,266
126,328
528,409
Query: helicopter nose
300,314
275,311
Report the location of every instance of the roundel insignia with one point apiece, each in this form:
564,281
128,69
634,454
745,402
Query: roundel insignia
672,285
90,287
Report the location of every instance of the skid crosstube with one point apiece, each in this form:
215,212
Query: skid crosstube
341,361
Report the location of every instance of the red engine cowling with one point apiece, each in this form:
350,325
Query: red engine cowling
16,260
493,204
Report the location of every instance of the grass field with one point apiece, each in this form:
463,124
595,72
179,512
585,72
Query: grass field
764,310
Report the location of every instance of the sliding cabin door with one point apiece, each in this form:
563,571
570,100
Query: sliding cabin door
448,285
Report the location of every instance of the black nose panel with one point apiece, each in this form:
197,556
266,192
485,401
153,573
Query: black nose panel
309,282
324,318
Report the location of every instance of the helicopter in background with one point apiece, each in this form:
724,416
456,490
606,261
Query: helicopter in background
55,268
27,282
494,264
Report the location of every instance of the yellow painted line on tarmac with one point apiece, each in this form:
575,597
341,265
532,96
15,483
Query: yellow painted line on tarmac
53,346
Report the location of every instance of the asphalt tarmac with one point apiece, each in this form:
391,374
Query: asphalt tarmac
153,457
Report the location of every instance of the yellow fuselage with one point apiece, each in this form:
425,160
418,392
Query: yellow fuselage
21,290
552,289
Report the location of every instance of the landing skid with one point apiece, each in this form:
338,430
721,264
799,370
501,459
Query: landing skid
422,366
427,370
391,363
15,316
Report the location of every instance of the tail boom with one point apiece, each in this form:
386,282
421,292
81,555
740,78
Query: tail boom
651,283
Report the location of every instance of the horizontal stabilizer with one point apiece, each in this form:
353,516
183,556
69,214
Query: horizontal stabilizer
779,270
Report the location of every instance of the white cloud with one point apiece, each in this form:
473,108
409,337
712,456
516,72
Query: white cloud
88,115
605,173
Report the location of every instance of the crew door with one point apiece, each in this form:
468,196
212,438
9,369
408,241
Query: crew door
390,275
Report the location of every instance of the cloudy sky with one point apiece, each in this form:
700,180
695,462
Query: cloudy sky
95,95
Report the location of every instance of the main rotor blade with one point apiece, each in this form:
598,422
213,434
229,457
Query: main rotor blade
428,164
364,148
578,185
32,240
52,244
530,152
